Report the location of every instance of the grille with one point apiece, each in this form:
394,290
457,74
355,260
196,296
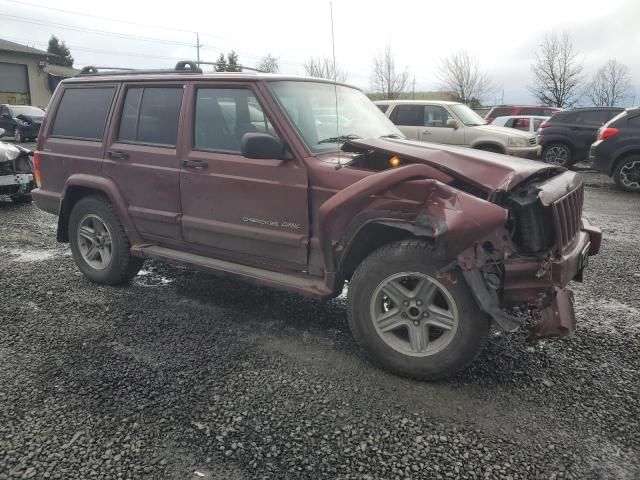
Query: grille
567,216
533,141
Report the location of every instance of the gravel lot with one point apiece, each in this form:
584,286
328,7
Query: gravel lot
185,376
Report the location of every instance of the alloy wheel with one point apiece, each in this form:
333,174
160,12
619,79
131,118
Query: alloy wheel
630,175
556,155
414,314
94,242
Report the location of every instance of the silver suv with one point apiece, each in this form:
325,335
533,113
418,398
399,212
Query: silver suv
454,123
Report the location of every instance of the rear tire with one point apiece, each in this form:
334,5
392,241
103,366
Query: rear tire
557,154
409,319
627,174
99,243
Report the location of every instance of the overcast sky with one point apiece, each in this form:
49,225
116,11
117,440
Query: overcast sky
504,35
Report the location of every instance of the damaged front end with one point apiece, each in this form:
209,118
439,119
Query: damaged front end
16,171
545,244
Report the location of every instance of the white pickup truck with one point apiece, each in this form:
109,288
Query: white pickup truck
454,123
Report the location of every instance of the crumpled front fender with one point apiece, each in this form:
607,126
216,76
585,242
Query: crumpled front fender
452,218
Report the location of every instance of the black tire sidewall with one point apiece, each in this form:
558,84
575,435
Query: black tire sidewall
473,325
116,272
618,169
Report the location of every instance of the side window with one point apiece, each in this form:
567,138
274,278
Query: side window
408,115
521,124
383,108
536,123
634,121
4,111
500,112
82,113
529,111
224,115
435,116
150,116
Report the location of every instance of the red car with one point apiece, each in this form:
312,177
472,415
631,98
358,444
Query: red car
510,110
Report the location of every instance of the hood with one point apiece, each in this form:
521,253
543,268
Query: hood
8,152
489,171
504,131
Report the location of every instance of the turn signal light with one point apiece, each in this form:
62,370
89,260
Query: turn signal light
394,161
36,168
608,132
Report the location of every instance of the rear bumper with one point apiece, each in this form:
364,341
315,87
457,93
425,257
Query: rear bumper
598,160
47,201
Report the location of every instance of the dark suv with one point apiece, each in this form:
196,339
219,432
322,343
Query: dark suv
303,184
21,121
567,136
617,150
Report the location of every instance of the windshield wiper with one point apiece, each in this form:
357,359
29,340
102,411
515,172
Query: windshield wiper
340,138
391,135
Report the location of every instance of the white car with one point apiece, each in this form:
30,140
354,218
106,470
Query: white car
454,123
525,123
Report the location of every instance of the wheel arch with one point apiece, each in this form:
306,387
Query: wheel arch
620,157
489,143
80,186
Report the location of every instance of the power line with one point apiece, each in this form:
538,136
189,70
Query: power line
94,31
110,19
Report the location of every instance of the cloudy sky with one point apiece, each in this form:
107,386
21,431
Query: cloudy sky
504,35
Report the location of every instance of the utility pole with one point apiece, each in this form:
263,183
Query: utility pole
413,89
198,46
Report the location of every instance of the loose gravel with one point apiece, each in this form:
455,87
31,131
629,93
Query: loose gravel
185,376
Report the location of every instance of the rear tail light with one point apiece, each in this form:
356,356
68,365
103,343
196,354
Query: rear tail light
608,132
36,167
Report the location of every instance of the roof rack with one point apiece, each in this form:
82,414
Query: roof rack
222,64
184,66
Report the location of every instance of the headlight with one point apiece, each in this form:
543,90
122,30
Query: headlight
518,142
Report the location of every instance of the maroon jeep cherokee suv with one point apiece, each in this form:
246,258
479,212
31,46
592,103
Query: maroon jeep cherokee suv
302,184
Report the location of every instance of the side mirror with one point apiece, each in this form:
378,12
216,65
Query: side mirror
451,123
261,145
2,131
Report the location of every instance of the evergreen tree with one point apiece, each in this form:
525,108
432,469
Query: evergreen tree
223,64
233,62
61,51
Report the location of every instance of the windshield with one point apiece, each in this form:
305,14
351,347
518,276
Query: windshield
26,110
311,108
468,116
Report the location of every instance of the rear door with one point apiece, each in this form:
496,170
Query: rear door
409,119
142,156
586,127
252,210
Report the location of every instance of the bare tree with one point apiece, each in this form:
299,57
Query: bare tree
610,85
387,82
323,67
460,74
269,64
557,72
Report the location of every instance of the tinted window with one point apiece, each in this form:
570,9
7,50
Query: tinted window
521,124
150,116
83,113
409,115
435,116
224,115
383,108
536,123
530,111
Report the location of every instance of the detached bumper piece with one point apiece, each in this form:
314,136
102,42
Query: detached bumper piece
559,318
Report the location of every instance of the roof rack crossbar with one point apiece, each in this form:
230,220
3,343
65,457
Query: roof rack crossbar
184,66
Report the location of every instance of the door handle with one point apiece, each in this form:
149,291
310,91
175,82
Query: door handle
427,132
199,164
117,155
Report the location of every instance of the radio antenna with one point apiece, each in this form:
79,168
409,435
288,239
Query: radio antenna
335,87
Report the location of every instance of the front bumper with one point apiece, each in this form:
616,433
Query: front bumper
17,184
545,282
532,153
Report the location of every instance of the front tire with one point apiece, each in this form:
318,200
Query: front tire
627,174
411,320
557,154
99,244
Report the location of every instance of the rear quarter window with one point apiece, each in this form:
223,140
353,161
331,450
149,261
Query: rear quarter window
383,108
82,113
500,112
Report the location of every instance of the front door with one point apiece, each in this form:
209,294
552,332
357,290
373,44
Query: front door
255,211
436,129
142,157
